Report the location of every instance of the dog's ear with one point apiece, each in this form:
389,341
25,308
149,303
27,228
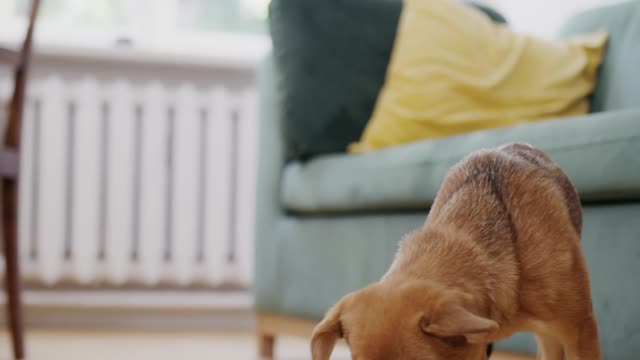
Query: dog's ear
326,334
454,320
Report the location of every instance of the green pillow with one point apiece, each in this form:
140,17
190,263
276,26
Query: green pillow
331,58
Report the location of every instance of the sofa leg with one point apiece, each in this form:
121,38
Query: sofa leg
266,343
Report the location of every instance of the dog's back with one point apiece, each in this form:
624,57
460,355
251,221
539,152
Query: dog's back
495,170
541,160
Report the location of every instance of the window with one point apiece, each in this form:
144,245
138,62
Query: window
176,24
229,15
534,17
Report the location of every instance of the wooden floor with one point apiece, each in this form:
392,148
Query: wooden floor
109,345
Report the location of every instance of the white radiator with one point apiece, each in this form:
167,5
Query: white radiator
137,185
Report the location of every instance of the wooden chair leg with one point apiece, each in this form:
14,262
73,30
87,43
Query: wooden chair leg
266,344
12,270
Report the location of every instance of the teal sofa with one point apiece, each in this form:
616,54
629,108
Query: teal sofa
329,224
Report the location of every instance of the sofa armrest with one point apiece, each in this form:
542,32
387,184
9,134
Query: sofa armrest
271,160
271,147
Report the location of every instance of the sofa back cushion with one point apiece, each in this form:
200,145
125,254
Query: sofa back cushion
619,80
331,58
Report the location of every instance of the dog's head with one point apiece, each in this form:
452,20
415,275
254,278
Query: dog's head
417,320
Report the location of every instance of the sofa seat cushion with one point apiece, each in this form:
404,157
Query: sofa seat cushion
599,153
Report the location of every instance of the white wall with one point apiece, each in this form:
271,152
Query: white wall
543,17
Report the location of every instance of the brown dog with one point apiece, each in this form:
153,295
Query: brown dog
499,253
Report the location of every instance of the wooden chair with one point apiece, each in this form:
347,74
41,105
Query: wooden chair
9,171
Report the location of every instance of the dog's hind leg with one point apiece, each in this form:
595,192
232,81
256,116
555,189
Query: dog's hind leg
549,348
581,341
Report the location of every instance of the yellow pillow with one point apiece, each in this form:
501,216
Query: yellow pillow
453,71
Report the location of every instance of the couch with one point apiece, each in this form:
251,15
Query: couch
329,224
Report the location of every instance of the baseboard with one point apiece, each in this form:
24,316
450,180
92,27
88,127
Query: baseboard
139,310
131,298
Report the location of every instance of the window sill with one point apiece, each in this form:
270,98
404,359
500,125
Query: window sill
222,50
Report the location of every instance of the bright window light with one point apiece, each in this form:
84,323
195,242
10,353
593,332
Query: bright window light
136,23
543,18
